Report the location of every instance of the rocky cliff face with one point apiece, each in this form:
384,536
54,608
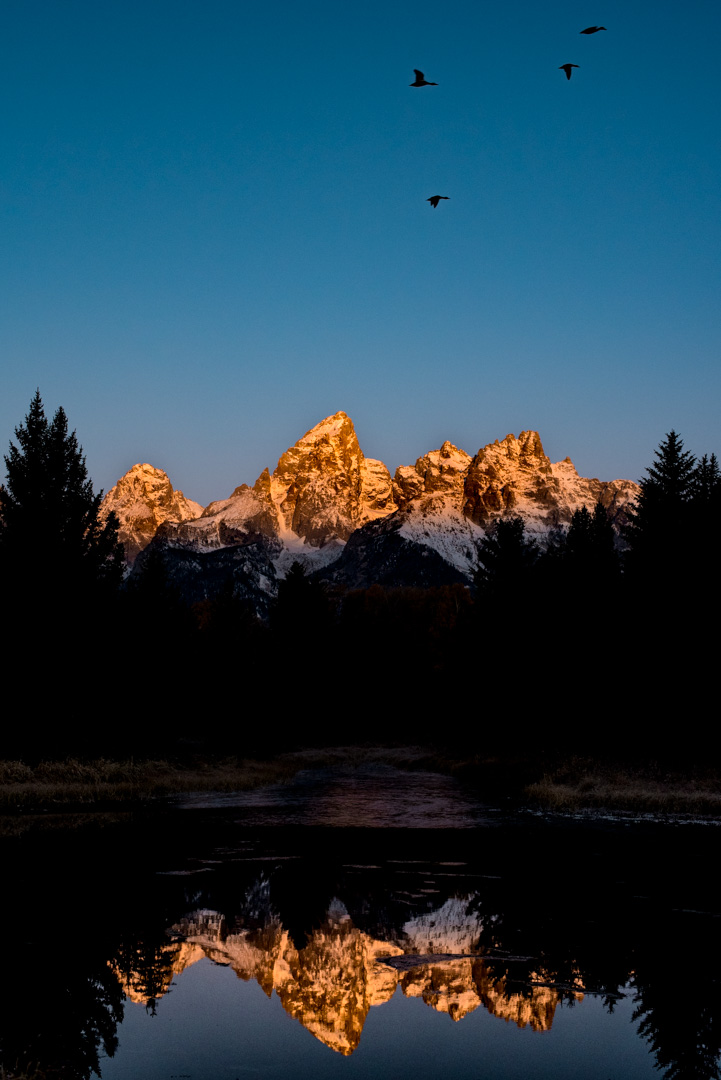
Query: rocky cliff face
320,492
143,500
326,503
447,500
438,473
325,488
514,476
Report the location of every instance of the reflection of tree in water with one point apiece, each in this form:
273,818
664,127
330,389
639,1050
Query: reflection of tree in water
672,960
59,1017
542,939
145,968
62,1002
681,1017
550,922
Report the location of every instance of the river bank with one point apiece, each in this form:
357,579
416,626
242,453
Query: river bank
554,784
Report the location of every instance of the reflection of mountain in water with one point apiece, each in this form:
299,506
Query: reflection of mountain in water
171,959
330,984
508,922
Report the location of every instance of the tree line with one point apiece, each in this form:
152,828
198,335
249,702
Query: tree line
598,640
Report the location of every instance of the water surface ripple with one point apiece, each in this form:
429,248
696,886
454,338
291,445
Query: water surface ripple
368,796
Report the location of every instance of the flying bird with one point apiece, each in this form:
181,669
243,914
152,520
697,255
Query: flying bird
592,29
435,199
567,69
421,79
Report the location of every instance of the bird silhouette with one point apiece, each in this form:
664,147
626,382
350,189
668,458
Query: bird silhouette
592,29
421,79
567,69
435,199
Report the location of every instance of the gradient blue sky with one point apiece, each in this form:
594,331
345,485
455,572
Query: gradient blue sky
214,228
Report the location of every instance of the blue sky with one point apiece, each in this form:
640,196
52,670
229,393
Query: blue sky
215,229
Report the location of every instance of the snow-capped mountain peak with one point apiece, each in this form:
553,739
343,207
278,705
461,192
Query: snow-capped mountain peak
143,499
421,527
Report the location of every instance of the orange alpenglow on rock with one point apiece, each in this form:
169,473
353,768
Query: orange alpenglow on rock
143,500
324,490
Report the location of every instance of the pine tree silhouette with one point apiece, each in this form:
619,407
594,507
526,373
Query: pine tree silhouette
703,533
301,608
505,560
590,547
54,546
664,502
668,583
706,493
60,565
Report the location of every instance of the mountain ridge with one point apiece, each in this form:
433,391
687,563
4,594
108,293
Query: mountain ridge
324,493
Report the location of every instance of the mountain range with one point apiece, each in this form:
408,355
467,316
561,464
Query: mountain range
343,516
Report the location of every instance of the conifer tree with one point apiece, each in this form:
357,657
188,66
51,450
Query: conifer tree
590,546
53,543
301,607
579,531
661,518
505,559
706,491
60,563
705,524
665,498
667,573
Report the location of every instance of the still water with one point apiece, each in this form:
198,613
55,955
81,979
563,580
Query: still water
361,923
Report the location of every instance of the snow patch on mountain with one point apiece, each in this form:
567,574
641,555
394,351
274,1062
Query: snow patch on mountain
246,515
310,558
437,522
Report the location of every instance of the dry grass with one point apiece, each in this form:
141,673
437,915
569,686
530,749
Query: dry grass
77,785
101,783
582,784
571,785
